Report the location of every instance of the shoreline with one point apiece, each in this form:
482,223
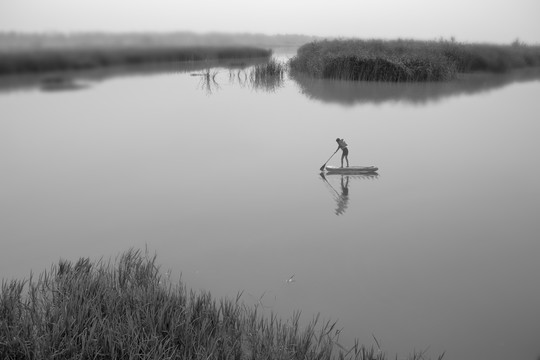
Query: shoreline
23,62
59,78
50,60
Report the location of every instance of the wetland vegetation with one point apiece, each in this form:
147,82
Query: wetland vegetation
23,53
128,309
408,60
351,59
268,76
46,60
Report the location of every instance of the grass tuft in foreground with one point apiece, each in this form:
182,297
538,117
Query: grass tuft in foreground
408,60
126,310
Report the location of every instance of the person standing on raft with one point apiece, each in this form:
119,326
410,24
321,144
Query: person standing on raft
345,151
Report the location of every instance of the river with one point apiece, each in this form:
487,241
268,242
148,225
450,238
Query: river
438,252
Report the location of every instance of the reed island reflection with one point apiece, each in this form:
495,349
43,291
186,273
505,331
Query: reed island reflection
349,93
340,192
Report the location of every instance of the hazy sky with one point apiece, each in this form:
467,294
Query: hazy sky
466,20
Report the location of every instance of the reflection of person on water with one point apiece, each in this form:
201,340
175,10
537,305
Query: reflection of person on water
343,199
345,151
345,186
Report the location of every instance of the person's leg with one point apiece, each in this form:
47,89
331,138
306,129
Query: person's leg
346,155
342,156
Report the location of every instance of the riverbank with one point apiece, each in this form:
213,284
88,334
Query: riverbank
408,60
126,309
85,58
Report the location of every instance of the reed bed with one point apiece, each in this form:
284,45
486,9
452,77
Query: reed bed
125,309
268,76
408,60
79,58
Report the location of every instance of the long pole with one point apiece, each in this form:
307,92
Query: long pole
324,165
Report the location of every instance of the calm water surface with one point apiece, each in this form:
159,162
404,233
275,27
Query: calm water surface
221,180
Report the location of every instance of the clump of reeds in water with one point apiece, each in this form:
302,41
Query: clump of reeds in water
268,76
208,80
127,309
408,60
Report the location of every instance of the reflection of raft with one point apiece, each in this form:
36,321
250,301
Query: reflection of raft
352,175
352,170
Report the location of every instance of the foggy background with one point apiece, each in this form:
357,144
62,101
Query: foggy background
470,21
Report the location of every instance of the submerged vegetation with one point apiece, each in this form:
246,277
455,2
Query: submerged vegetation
127,310
408,60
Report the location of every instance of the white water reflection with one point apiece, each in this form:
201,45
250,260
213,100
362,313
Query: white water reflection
440,250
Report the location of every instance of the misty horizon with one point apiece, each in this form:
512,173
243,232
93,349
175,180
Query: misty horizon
464,21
